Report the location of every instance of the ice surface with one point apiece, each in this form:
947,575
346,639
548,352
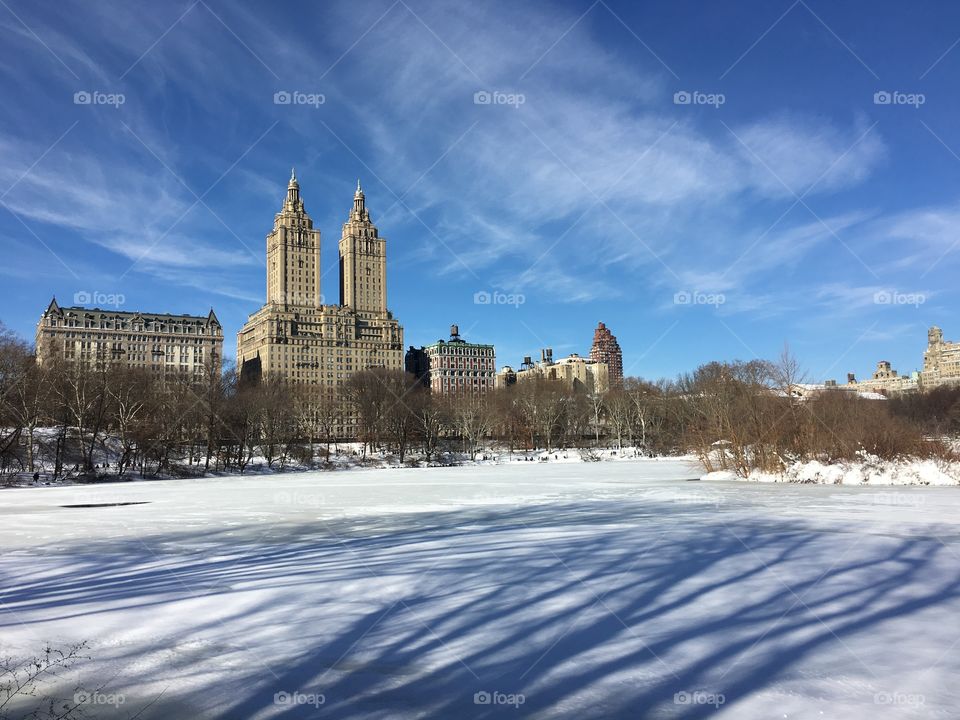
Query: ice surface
591,590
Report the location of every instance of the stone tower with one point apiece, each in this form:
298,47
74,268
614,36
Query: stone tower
293,255
933,356
296,336
606,349
363,261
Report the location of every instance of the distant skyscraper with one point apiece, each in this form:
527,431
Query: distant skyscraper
296,336
606,349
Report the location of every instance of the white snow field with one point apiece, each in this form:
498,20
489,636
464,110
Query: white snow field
587,590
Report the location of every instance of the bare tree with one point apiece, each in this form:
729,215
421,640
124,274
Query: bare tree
472,418
619,411
369,398
129,392
277,425
400,422
23,397
596,401
432,416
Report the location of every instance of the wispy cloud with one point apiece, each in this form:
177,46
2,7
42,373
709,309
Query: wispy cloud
596,188
920,238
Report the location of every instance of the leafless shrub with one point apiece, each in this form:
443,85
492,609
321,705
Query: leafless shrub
22,682
591,454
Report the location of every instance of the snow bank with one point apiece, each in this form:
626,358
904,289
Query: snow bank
867,471
720,475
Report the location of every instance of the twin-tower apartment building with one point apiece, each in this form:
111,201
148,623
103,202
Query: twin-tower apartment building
296,336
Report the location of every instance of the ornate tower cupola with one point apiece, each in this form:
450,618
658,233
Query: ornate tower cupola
360,212
293,202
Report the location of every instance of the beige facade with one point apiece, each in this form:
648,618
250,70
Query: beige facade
885,380
363,263
574,371
299,338
188,344
941,366
941,361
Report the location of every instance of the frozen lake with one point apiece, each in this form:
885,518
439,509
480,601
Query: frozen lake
601,590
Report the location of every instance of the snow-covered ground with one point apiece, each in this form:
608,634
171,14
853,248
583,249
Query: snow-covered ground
568,590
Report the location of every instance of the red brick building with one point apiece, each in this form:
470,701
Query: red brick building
606,349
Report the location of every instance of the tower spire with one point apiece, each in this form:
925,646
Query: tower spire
359,204
293,201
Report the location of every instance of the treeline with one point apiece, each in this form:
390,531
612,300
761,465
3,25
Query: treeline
745,416
67,418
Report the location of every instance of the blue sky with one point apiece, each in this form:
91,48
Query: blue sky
784,202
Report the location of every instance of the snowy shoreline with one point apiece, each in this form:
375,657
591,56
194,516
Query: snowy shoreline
866,472
349,458
870,471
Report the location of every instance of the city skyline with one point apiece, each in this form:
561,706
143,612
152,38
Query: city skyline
707,194
112,306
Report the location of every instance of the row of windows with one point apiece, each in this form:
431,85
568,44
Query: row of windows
298,375
454,383
462,364
101,337
135,362
442,351
135,327
117,347
463,379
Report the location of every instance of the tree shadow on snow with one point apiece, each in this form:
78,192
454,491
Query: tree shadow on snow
605,609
